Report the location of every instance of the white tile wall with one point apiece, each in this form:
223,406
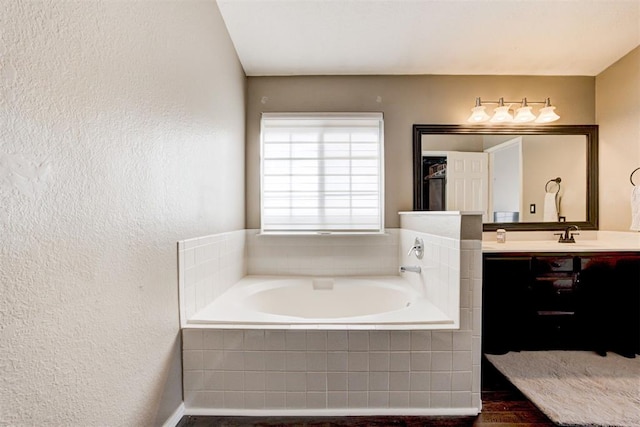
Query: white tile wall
273,369
208,266
372,255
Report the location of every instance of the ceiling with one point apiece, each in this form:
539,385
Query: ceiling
475,37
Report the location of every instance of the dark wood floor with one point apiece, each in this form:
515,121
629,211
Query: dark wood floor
502,405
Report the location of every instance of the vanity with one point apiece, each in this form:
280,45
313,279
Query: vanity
546,295
538,293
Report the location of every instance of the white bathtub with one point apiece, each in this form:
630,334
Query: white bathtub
322,303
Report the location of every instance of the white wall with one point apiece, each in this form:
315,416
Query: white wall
121,132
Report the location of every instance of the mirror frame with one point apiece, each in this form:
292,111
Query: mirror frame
589,131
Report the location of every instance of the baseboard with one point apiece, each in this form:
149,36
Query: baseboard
338,412
175,418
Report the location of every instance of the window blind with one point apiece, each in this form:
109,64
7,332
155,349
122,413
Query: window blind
322,173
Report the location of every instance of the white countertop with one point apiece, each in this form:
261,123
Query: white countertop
545,241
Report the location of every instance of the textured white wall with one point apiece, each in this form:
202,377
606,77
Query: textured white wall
121,132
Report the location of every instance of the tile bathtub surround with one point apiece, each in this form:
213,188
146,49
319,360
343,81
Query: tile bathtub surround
283,370
208,266
335,255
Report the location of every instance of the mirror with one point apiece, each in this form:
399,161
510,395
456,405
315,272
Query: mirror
521,178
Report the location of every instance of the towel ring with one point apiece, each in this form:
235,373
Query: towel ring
557,181
631,176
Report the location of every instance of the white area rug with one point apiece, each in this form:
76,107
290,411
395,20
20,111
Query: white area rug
577,387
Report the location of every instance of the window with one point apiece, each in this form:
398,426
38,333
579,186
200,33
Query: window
322,173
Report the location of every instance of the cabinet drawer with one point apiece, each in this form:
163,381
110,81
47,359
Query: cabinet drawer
552,264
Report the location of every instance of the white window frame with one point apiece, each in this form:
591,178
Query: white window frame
332,118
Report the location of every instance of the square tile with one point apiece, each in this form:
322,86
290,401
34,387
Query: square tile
316,381
234,399
461,381
233,340
214,380
274,400
274,340
192,339
275,381
358,340
440,381
296,340
316,340
337,361
316,361
254,400
378,399
441,361
441,341
400,341
234,381
193,380
254,361
212,359
419,399
398,381
440,399
337,399
295,361
398,399
461,361
420,381
337,340
233,360
296,381
420,340
399,361
274,360
420,361
357,399
379,361
379,381
296,400
254,340
337,381
379,341
254,381
192,360
461,399
358,361
358,381
316,400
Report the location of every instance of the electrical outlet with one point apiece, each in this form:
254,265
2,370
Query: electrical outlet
532,208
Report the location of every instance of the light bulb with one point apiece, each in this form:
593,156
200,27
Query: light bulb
547,115
478,115
524,115
501,115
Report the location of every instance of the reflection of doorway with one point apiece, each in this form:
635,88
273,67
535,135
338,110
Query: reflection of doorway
505,198
433,183
465,186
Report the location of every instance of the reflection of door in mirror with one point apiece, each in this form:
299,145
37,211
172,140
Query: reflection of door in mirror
505,191
466,181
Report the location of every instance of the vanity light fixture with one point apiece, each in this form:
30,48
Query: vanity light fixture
502,113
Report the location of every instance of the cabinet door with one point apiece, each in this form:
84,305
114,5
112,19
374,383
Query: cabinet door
506,311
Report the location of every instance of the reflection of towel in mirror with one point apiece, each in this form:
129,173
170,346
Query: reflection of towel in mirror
635,209
550,213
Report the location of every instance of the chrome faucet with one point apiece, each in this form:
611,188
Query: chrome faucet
567,236
417,248
411,268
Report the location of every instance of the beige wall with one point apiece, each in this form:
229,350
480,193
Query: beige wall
404,100
121,132
618,114
545,158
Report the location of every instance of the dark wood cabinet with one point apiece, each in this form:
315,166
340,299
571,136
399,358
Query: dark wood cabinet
545,301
